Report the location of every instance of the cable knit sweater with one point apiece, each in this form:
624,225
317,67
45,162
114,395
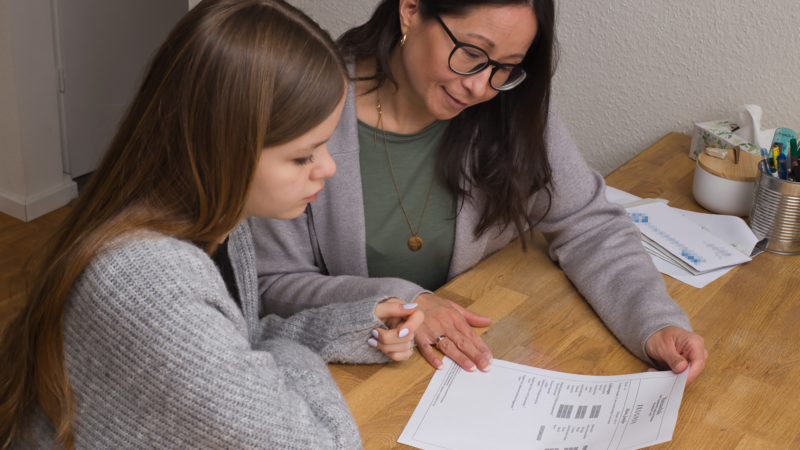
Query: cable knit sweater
159,356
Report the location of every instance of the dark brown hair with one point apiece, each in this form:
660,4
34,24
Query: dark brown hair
497,147
233,77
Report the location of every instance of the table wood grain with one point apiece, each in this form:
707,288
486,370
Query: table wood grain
747,398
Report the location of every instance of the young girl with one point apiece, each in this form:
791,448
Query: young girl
132,335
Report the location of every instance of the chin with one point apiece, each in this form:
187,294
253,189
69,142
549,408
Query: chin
447,114
442,110
293,214
284,215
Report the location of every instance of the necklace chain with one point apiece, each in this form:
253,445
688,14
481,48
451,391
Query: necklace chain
415,241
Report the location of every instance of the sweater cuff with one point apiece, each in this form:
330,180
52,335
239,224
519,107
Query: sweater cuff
404,290
650,331
355,322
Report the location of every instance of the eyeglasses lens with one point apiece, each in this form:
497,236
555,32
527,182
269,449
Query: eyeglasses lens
466,60
508,77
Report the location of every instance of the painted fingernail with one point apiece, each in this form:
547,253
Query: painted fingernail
438,364
471,368
487,366
372,342
403,332
375,333
409,306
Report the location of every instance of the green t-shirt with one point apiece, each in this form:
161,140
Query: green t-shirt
414,160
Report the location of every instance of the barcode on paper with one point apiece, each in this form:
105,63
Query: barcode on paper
581,412
564,411
595,412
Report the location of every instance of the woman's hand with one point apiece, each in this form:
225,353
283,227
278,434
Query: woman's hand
677,348
403,319
462,344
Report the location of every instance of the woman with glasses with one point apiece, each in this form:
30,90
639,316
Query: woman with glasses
450,147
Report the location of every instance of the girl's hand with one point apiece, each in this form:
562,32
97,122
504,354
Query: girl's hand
403,319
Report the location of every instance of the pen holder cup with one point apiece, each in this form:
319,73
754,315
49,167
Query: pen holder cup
775,214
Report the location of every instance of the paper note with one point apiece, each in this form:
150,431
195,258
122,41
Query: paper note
520,407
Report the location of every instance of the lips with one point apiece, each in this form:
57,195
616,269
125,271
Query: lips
311,198
454,103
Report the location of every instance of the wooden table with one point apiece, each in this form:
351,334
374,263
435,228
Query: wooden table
747,398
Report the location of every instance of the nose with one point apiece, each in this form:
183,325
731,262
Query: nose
325,166
477,83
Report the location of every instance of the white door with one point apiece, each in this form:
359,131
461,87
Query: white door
104,46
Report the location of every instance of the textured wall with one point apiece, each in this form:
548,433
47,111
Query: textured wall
11,172
335,16
632,71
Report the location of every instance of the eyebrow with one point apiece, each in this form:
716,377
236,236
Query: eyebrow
492,44
488,41
314,146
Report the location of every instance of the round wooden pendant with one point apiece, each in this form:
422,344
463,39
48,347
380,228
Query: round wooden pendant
414,243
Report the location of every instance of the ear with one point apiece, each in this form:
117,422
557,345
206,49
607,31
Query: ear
409,15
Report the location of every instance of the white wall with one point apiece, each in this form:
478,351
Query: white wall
32,182
335,16
12,179
633,71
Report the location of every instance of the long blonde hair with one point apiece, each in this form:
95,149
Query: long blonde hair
233,77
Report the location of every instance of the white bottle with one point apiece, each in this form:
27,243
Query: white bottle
748,117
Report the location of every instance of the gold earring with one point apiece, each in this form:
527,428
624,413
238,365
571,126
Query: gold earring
403,41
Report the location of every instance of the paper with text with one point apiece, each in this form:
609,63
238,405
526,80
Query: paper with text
520,407
688,241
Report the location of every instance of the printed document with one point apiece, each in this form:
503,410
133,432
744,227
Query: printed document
520,407
688,242
733,230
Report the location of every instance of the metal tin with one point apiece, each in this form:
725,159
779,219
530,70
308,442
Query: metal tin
775,214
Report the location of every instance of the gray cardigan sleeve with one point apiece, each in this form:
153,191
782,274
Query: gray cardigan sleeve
292,275
317,329
600,249
157,353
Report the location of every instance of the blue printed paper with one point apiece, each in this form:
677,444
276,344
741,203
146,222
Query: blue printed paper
684,239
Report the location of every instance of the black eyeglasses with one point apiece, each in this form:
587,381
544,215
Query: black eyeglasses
467,59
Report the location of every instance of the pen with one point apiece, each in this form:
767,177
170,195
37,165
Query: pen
774,169
782,167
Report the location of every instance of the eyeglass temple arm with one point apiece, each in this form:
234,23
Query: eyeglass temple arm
449,33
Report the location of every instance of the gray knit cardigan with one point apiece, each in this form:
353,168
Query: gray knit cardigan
320,257
160,356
